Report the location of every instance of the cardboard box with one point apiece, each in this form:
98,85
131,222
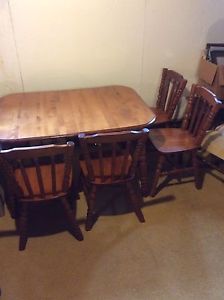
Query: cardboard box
212,76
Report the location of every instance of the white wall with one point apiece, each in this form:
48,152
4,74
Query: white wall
55,44
10,77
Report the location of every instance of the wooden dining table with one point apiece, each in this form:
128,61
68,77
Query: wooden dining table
41,115
35,116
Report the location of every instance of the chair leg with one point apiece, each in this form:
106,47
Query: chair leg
135,202
198,181
91,199
23,218
179,163
76,231
157,174
86,191
144,173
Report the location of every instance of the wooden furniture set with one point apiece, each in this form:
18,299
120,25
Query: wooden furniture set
110,125
47,116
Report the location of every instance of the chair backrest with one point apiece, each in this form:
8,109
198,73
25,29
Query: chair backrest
171,89
200,112
39,172
112,157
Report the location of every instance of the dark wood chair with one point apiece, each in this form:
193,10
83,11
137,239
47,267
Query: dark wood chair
118,166
172,144
37,174
171,89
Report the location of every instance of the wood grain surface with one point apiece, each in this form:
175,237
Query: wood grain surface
39,115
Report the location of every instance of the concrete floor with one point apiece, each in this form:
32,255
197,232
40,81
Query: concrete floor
177,254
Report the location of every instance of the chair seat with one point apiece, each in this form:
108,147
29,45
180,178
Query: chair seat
161,116
107,169
169,140
46,173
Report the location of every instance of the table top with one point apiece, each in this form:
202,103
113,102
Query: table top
40,115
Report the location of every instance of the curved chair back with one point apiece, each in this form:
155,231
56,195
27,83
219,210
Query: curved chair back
112,157
200,112
171,89
40,172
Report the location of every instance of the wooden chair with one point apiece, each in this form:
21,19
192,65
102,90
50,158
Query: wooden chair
118,166
171,89
173,142
37,174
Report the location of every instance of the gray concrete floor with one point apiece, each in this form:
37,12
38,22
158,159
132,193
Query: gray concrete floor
177,254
